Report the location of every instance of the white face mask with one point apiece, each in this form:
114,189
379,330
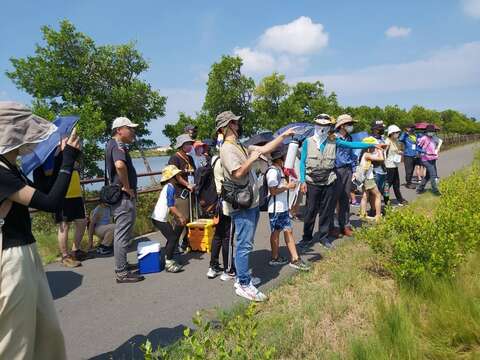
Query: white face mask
431,134
321,132
349,128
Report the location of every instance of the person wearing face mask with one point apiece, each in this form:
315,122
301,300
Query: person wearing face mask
410,159
185,184
237,163
318,177
392,161
379,169
29,326
429,147
120,171
345,165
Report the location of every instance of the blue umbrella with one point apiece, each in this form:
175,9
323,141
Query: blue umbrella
40,153
304,131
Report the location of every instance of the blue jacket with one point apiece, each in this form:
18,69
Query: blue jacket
345,156
340,144
410,142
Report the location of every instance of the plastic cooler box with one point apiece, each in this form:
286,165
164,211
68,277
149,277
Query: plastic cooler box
200,234
148,253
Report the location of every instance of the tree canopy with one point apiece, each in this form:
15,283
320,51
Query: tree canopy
70,74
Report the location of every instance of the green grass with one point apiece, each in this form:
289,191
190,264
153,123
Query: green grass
353,306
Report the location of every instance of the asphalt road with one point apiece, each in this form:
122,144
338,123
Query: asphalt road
104,320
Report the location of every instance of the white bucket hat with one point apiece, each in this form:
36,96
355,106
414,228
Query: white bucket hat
393,129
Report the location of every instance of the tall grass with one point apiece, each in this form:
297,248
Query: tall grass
439,319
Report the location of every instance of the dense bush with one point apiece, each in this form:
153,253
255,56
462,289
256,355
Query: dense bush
414,243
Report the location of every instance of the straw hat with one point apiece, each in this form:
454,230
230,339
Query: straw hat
169,172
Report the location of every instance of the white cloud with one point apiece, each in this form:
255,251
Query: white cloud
284,48
255,61
446,68
471,8
299,37
397,31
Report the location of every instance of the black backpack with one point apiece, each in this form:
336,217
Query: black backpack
206,190
264,194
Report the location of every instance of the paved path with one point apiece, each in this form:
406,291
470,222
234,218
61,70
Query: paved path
104,320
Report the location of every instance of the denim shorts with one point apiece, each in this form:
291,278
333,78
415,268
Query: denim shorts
280,221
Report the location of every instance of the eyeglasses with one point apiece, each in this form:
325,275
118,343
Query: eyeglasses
322,117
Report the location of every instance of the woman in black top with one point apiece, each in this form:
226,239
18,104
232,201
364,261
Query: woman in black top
29,326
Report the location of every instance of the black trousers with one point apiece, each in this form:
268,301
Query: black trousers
171,234
223,240
321,202
342,196
410,163
393,180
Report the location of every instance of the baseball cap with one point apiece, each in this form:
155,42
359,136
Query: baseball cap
121,122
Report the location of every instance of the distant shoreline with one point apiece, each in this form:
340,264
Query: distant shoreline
150,153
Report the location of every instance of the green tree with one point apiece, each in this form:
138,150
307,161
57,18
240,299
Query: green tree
70,74
270,95
229,89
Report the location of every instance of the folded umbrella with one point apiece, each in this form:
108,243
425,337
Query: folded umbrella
303,131
259,139
40,153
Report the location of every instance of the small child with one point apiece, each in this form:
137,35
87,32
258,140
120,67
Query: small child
167,218
369,185
278,212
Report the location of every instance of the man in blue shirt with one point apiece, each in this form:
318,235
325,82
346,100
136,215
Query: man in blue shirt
317,178
345,165
410,158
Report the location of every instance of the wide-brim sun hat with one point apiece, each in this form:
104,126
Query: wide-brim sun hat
198,144
224,118
392,129
169,172
344,119
323,119
182,139
20,127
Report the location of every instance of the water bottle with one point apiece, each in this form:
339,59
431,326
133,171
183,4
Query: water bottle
291,154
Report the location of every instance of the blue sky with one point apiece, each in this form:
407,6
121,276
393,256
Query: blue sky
370,52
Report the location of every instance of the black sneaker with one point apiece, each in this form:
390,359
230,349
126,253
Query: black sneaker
104,250
278,261
305,245
132,267
129,277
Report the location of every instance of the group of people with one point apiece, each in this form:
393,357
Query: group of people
224,179
247,175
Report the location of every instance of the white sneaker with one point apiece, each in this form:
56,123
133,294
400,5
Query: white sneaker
250,292
213,273
226,276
